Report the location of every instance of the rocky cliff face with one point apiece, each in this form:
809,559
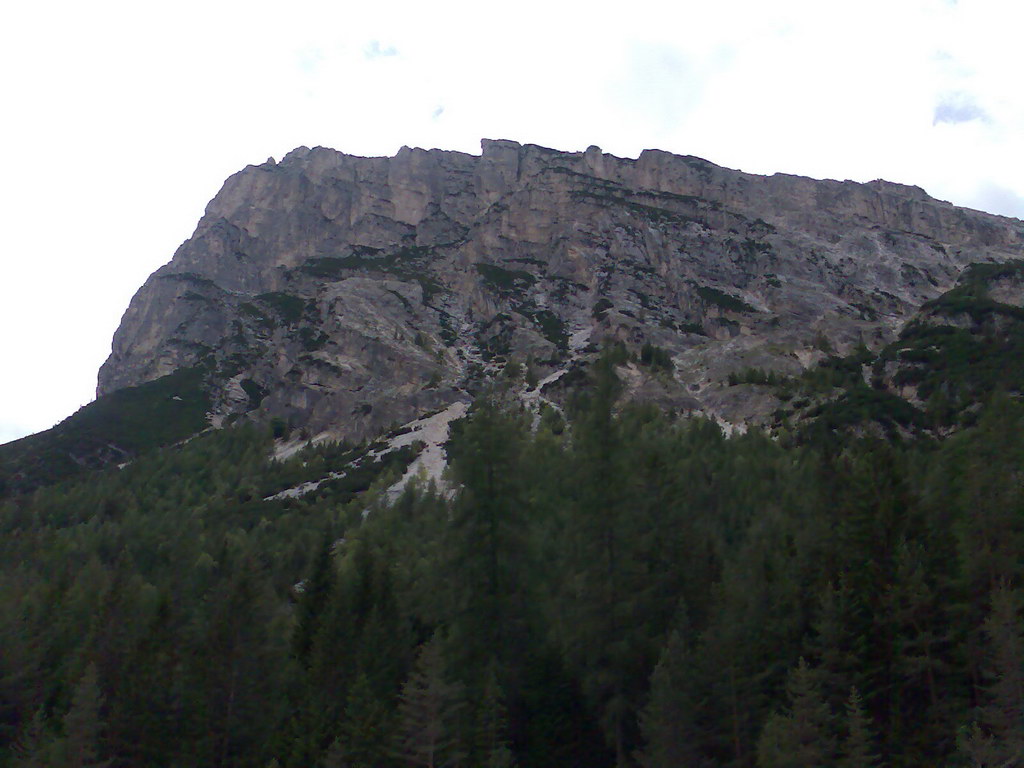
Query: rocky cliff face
347,294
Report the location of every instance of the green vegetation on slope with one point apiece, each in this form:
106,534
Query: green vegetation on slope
113,428
622,590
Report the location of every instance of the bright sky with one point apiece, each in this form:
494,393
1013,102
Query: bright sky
120,120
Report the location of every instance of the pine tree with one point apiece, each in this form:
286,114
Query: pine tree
427,729
235,667
856,750
490,743
34,746
486,541
336,756
667,722
996,739
362,738
600,609
832,645
316,594
801,737
83,724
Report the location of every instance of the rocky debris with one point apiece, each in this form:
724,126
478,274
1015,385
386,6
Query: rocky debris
429,465
342,295
429,434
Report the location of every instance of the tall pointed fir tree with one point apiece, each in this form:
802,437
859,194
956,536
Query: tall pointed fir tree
802,735
491,747
487,548
596,608
427,732
83,724
34,746
857,745
362,739
668,722
996,738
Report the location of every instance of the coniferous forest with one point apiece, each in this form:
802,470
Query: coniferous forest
610,588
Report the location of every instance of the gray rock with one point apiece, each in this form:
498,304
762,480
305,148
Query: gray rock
350,293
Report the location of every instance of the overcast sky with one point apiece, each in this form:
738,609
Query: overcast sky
121,120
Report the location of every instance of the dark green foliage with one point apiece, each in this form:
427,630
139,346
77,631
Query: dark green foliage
408,263
669,721
965,345
838,372
606,587
289,308
486,542
191,278
857,745
254,391
655,357
495,336
655,214
312,339
366,727
695,328
760,226
113,428
726,301
549,324
505,281
490,743
262,319
800,736
752,251
971,295
427,732
961,365
996,737
83,724
861,406
755,376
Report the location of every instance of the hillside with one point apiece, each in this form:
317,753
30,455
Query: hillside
535,459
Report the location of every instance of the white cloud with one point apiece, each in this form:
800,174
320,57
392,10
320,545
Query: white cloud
375,50
958,108
997,199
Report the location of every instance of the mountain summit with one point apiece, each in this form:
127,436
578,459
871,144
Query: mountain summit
346,293
341,297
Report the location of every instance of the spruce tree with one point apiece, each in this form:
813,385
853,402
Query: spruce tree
667,723
801,736
34,746
491,746
996,738
486,541
314,598
427,732
364,728
83,724
856,749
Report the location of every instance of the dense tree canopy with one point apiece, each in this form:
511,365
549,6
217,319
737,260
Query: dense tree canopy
623,590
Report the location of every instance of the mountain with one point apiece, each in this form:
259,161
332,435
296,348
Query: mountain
238,556
341,296
347,294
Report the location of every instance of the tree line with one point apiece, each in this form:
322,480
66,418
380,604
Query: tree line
612,588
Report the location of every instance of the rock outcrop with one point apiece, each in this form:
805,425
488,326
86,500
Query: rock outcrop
349,293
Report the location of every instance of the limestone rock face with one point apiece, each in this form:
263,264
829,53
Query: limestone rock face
350,293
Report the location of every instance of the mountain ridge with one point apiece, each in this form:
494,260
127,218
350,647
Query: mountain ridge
318,274
339,298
